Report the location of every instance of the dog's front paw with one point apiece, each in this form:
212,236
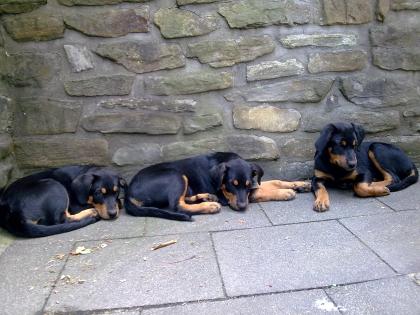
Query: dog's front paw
321,205
301,187
211,197
213,207
287,194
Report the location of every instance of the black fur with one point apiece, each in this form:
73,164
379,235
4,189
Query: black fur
159,187
342,159
36,205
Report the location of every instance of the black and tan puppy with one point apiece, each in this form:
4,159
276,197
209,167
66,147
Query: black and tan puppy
371,168
202,184
59,200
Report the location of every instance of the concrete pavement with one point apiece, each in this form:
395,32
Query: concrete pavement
361,257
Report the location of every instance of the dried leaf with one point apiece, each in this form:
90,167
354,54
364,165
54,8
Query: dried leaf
81,250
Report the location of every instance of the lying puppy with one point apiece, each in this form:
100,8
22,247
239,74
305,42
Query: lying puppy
202,184
59,200
371,168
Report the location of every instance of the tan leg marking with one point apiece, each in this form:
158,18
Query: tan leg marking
202,197
322,200
279,184
268,191
203,207
88,213
387,177
370,190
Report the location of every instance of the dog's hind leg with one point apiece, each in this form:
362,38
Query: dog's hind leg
201,197
88,213
206,207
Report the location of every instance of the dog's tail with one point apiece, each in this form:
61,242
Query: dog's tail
27,229
140,211
405,182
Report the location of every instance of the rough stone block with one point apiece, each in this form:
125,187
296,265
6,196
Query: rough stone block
109,22
28,69
5,113
274,69
156,104
5,146
154,123
375,92
372,121
20,6
405,5
250,13
185,2
34,26
396,43
79,57
305,90
247,146
347,12
140,154
189,82
266,118
349,60
318,40
143,57
175,23
95,2
202,122
53,151
45,116
100,85
223,53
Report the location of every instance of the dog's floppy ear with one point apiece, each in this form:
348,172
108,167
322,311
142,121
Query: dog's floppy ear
324,138
81,187
217,174
359,132
257,173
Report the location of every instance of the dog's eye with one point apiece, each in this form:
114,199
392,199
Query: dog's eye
235,182
343,143
248,184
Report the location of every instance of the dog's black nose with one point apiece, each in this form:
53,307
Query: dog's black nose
352,164
242,206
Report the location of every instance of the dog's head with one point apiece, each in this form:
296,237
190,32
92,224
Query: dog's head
338,143
236,179
100,189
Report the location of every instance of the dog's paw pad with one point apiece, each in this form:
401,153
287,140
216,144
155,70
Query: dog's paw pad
214,207
304,187
211,197
321,206
289,194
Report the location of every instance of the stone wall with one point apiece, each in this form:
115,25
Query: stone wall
135,82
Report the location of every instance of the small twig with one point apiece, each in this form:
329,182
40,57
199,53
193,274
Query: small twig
164,244
182,260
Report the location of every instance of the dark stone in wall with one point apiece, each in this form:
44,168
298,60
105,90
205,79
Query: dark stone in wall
20,6
46,116
100,85
95,2
54,151
35,26
142,57
108,22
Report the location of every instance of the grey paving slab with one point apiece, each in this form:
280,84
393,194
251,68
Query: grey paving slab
343,204
127,273
226,219
406,199
398,295
5,240
303,302
27,275
124,226
395,237
292,257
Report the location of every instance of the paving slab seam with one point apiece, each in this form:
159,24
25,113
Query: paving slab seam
361,241
166,305
218,265
266,215
56,281
385,204
332,300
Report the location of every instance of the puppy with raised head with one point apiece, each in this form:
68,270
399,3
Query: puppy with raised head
202,184
60,200
371,168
